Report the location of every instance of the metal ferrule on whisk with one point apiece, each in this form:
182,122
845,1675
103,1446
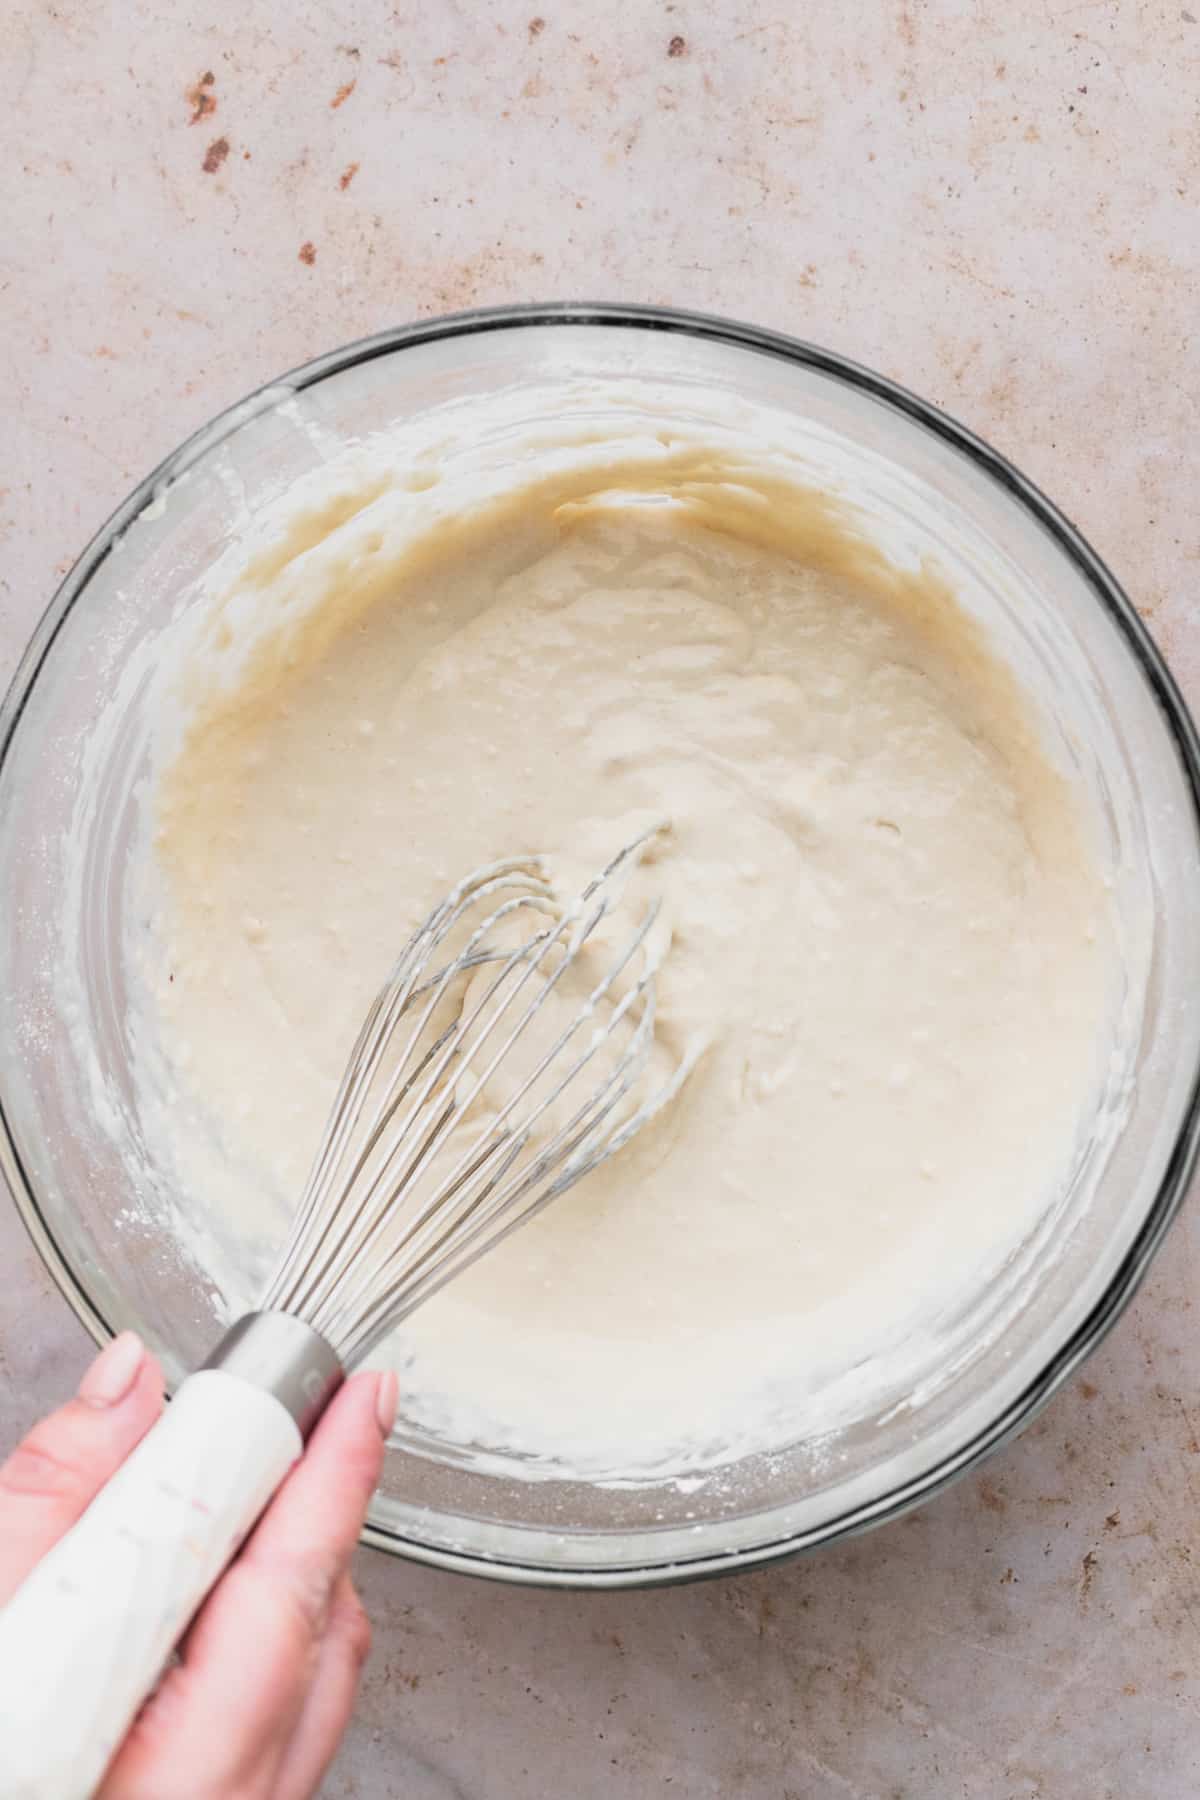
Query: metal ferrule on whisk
283,1355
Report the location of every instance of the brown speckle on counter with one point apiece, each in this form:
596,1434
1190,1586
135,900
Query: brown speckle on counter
1089,1565
343,94
308,253
677,46
347,175
201,98
991,1496
215,155
536,27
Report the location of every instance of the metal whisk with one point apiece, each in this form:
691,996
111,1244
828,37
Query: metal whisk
511,1051
416,1176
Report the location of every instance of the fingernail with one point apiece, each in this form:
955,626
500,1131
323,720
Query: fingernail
387,1400
114,1371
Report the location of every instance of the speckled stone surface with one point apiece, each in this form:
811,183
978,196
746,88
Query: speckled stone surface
998,207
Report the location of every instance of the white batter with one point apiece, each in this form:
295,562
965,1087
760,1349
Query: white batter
885,914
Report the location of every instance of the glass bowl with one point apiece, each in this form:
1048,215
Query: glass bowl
70,1144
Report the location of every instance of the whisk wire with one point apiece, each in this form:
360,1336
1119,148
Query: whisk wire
382,1225
418,1135
470,1246
437,1223
314,1223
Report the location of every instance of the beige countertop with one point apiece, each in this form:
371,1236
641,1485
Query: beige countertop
999,208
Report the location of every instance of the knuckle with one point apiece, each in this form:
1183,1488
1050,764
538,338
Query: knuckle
46,1466
168,1783
356,1627
360,1466
308,1582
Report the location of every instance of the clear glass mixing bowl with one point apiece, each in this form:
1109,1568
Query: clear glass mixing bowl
70,1144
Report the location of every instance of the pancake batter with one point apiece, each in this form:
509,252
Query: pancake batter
885,914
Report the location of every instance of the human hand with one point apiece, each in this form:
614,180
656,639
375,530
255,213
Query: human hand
264,1686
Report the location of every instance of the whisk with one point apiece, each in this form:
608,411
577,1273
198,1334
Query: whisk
511,1051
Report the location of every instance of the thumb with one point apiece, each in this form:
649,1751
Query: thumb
55,1473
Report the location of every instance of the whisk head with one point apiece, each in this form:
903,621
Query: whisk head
511,1051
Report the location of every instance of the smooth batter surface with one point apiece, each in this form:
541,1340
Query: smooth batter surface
885,918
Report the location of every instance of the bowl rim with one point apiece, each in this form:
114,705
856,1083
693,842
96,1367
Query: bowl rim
1107,592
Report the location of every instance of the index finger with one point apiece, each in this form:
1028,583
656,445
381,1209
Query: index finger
55,1473
308,1533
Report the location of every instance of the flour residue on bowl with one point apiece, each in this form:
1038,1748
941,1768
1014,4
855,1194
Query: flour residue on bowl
887,913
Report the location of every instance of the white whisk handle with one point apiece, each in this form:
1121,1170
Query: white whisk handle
84,1639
